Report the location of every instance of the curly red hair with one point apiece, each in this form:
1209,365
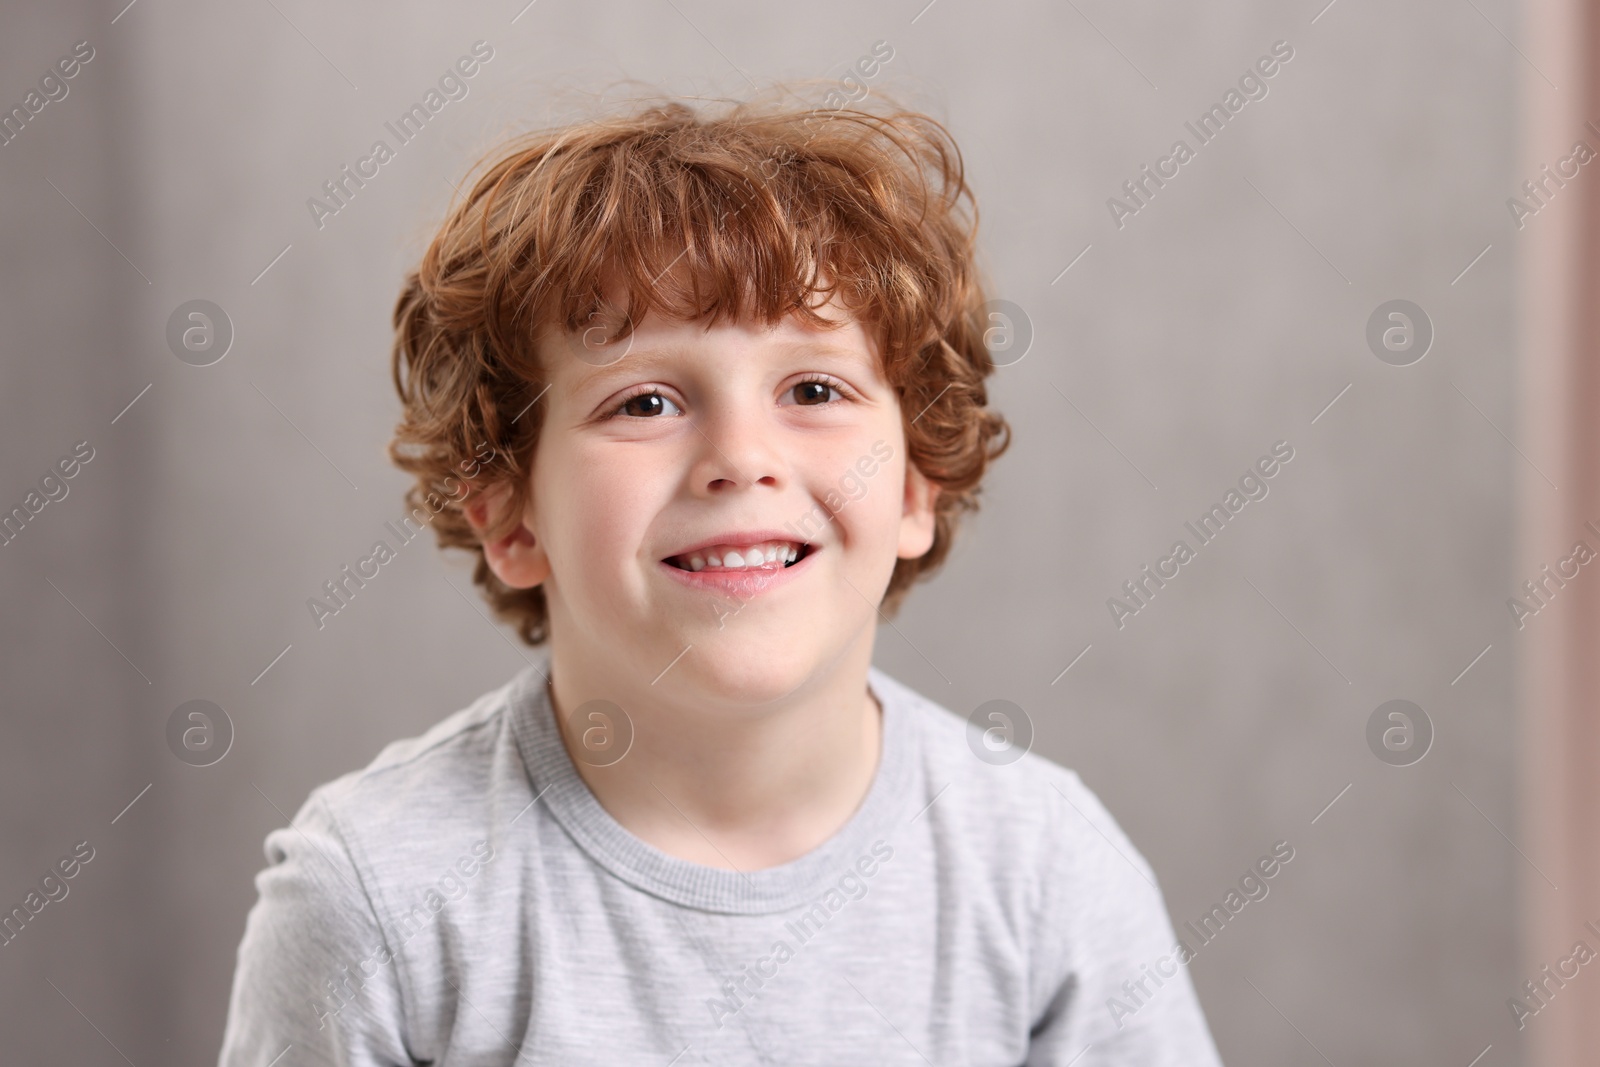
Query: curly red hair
757,211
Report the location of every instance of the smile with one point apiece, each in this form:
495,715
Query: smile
748,576
769,555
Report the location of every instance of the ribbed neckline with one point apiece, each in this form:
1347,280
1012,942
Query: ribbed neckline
558,785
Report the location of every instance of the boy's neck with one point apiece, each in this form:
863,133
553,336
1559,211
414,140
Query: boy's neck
734,788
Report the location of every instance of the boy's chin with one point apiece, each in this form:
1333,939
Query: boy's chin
754,676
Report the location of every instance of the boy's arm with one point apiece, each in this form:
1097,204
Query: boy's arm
1116,991
314,972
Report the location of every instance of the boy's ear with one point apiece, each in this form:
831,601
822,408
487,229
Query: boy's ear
517,559
917,514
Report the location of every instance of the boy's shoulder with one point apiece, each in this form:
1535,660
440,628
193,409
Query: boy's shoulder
436,784
999,792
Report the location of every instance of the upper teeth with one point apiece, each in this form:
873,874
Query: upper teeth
735,557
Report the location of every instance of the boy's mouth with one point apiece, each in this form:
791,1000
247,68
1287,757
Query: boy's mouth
768,555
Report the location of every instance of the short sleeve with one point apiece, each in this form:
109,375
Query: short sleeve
314,977
1115,991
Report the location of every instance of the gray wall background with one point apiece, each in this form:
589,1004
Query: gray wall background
1223,317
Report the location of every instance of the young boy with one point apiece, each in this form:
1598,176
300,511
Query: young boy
705,395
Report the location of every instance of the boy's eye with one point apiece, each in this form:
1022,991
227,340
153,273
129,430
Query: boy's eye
813,392
645,405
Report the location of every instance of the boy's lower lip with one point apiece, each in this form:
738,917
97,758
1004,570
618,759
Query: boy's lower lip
744,583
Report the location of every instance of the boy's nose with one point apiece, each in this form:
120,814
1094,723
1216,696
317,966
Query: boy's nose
738,449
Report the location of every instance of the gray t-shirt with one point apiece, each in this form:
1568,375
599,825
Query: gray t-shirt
465,899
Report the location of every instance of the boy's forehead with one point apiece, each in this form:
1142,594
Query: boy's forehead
589,355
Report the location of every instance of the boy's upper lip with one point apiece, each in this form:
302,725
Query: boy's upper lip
739,539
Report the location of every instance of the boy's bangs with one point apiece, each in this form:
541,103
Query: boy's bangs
697,242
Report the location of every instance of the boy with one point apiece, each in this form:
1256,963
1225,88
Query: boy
705,396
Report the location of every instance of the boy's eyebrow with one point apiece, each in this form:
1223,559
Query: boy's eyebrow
634,361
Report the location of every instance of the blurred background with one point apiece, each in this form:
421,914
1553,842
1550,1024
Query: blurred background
1441,459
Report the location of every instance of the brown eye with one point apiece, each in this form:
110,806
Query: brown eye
812,393
645,405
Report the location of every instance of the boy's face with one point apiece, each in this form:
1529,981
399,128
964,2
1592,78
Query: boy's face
686,439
